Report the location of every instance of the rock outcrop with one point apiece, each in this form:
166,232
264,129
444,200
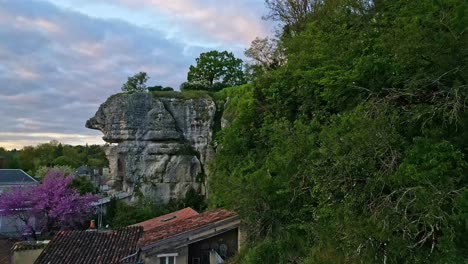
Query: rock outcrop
158,147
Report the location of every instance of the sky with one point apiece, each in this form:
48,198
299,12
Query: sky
60,59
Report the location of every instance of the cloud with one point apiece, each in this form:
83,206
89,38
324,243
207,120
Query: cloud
58,66
227,21
60,59
197,22
13,140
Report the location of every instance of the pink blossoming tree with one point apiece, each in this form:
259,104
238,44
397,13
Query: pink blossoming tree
48,207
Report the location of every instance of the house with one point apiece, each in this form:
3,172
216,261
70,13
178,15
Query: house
181,237
187,237
15,178
94,175
92,246
11,178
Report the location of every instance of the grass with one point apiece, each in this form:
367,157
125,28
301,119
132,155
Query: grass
185,95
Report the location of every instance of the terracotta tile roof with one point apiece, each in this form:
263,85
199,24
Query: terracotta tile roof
166,219
95,247
184,225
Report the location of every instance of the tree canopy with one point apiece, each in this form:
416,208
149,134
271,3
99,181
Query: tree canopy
215,70
37,160
51,206
136,83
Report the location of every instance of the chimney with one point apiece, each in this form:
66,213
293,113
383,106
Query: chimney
92,225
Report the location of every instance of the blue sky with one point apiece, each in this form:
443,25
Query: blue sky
60,59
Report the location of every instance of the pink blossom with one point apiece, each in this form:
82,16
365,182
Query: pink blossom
50,206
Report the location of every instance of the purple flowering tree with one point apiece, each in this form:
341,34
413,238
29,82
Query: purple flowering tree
50,206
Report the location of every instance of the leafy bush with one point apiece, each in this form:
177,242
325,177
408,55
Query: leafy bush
121,214
195,86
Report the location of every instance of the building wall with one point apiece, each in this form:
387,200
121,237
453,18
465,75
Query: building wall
26,256
151,257
226,244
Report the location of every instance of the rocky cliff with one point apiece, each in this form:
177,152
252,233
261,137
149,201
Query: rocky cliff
158,146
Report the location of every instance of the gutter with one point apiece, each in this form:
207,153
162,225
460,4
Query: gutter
131,256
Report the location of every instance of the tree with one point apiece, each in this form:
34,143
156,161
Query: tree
159,88
155,88
292,13
42,171
83,185
217,67
136,83
266,55
48,207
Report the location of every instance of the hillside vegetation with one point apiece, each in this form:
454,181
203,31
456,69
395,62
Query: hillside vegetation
354,150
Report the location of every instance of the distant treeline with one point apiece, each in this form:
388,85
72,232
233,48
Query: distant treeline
51,154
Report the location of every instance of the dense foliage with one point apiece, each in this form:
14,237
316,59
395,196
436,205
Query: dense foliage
38,159
121,214
83,185
354,150
48,207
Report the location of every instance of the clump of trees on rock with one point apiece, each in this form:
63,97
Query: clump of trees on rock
137,84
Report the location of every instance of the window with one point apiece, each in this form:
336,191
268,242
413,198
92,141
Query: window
167,258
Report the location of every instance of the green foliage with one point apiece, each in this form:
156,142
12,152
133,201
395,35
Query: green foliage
155,88
42,171
136,83
357,145
185,95
37,160
160,88
9,158
195,86
215,70
121,214
83,185
126,214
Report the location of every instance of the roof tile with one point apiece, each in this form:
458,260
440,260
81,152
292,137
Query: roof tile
14,176
107,247
166,219
184,225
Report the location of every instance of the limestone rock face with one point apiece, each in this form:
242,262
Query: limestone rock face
158,146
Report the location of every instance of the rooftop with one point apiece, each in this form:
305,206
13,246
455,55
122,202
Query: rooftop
5,251
107,247
168,218
15,177
184,225
29,245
